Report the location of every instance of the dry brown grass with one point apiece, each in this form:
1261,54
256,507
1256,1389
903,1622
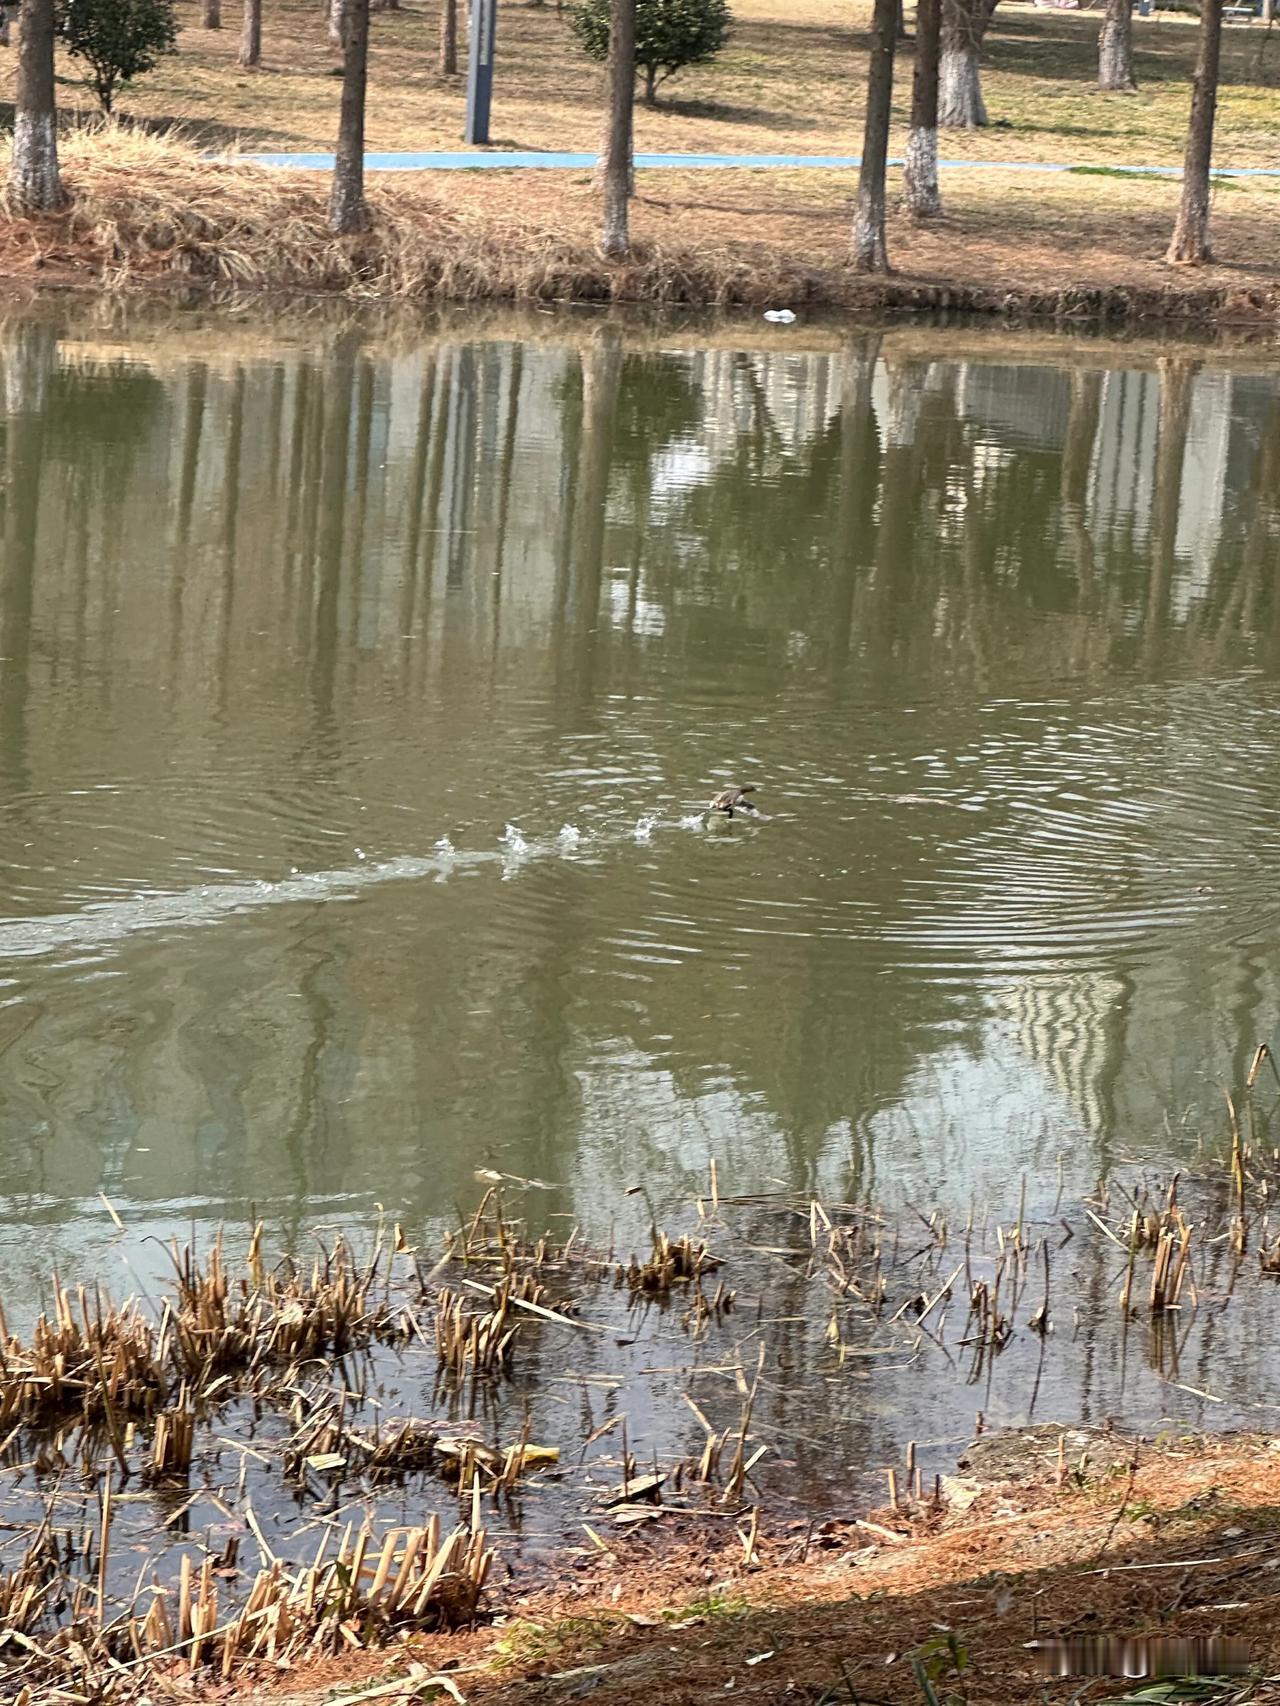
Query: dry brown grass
790,80
148,209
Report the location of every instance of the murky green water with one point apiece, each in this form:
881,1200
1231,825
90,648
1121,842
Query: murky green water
361,688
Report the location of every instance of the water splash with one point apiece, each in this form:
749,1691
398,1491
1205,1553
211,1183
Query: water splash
693,820
645,827
570,835
447,853
516,851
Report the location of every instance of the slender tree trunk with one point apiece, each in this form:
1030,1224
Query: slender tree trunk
1190,244
651,85
616,159
449,38
869,251
920,177
212,17
4,26
34,181
251,33
337,24
960,103
347,209
1268,11
1115,49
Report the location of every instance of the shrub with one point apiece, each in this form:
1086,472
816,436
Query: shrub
670,34
118,40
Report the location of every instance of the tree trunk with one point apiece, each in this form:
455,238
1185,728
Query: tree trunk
651,85
212,18
34,181
615,161
1268,11
347,209
337,24
449,39
1115,49
920,177
1190,244
960,103
869,251
251,33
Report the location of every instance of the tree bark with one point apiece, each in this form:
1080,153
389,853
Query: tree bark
449,38
212,17
347,209
651,85
616,159
1268,11
960,103
1115,49
337,24
34,180
920,194
1190,243
251,33
869,251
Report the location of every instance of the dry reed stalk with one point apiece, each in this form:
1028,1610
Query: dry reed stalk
668,1265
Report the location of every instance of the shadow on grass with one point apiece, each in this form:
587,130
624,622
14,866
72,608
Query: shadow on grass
1190,1572
203,134
761,117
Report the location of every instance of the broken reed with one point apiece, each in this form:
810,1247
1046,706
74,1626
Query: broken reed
409,1578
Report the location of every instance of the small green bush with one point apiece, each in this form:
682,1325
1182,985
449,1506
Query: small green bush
670,34
118,40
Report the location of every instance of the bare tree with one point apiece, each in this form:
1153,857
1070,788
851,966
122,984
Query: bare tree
1115,49
251,33
920,194
616,157
347,208
449,38
34,180
964,24
212,15
1190,243
336,22
869,251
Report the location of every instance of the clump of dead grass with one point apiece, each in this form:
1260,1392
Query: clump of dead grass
147,207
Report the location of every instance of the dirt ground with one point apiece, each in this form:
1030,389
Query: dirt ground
1158,1540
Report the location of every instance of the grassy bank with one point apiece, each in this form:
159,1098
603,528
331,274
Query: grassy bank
1081,244
1166,1543
148,211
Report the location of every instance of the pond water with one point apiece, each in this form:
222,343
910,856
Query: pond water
362,686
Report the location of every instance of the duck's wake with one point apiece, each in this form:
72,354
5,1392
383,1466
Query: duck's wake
97,926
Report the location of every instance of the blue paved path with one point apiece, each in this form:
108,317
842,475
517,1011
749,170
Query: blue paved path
497,159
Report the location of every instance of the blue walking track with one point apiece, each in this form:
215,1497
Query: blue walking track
526,159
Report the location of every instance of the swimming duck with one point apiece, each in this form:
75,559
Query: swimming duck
731,800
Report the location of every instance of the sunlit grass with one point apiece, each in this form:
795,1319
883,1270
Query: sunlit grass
790,80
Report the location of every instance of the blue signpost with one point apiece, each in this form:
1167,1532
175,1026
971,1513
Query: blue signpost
484,20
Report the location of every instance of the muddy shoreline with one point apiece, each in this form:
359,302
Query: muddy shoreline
276,1461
